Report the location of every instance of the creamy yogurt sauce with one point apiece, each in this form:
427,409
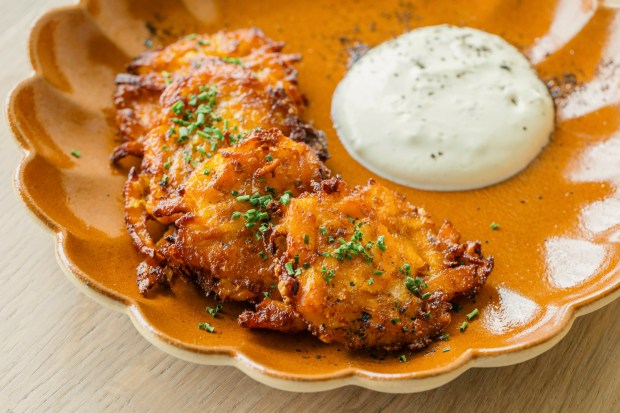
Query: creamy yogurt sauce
443,108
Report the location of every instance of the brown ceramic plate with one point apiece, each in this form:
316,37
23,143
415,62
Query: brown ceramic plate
557,252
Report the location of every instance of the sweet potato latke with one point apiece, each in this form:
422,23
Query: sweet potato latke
233,178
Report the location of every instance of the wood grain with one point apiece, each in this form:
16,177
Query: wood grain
60,351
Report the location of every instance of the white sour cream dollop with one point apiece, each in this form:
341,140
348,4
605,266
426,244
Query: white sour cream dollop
443,108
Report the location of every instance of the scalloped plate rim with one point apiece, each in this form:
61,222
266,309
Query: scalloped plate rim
389,383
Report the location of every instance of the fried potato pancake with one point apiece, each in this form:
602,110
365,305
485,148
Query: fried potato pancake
139,91
364,268
230,204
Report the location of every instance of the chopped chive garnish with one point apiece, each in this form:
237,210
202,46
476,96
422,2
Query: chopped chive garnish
425,296
395,320
381,243
286,198
445,350
213,311
243,198
76,153
494,226
306,265
472,314
289,268
267,294
323,230
206,172
371,281
183,134
178,107
402,358
411,286
463,326
378,272
306,239
206,327
269,157
406,269
263,255
236,214
329,276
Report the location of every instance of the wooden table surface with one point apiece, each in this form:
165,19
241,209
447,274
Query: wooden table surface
60,351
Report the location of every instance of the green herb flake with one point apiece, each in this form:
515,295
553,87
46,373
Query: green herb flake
473,314
411,285
306,239
206,327
463,326
381,243
378,272
406,269
328,274
213,311
402,358
286,198
76,153
494,226
289,268
178,107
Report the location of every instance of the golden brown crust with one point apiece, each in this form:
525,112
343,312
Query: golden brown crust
211,246
372,271
137,98
273,315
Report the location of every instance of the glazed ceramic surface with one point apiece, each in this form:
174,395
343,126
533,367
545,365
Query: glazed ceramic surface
557,250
